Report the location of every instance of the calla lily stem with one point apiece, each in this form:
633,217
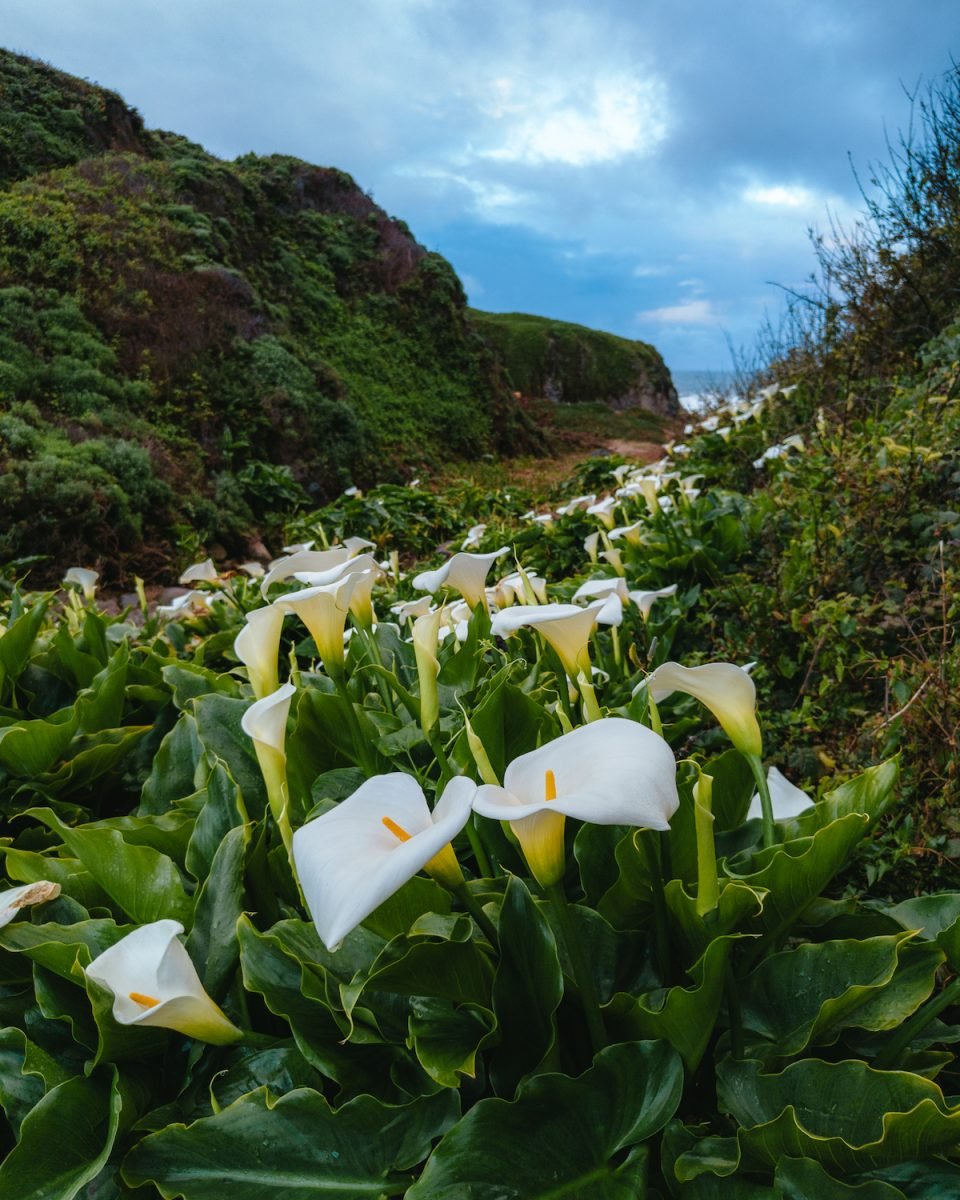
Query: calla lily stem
581,970
916,1025
475,909
756,766
446,773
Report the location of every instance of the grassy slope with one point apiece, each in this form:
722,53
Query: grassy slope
188,342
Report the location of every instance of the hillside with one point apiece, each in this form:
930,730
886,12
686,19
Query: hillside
570,364
190,346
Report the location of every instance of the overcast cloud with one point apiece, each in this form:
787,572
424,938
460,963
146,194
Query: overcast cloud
645,168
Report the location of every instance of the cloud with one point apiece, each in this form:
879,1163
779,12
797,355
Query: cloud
690,312
577,123
779,196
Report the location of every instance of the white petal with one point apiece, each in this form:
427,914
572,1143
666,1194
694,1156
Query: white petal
266,720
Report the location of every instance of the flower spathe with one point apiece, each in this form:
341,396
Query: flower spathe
726,689
464,572
787,800
85,579
567,627
14,900
154,982
610,772
302,560
323,609
257,646
354,857
266,723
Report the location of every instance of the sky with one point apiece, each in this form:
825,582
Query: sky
648,167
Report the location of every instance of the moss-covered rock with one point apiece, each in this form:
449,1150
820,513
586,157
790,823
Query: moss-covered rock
570,364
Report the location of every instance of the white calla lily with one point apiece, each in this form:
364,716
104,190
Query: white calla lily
727,690
464,572
154,982
474,536
14,900
323,609
85,579
200,572
599,589
303,560
257,646
787,800
412,608
354,857
646,600
610,772
356,544
604,510
426,639
629,533
265,722
590,543
182,606
567,627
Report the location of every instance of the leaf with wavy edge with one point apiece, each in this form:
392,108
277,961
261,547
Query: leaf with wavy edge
294,1148
557,1139
809,994
804,1179
846,1116
937,917
683,1016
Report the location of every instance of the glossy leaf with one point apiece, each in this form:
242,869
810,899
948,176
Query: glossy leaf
562,1138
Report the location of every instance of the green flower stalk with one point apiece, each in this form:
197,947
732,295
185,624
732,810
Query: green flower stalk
426,639
707,887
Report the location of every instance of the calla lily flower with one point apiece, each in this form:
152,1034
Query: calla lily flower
609,609
13,900
257,646
155,983
354,857
356,544
465,572
182,606
303,560
786,798
323,610
85,579
604,510
610,772
299,547
567,627
629,533
612,555
646,600
474,536
200,572
426,638
411,608
590,544
265,722
599,589
518,587
727,690
253,569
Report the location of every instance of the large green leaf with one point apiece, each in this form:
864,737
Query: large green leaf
100,706
173,774
509,722
527,989
804,1179
213,939
294,1148
144,883
30,748
64,1141
809,994
937,917
17,642
446,1037
218,728
845,1115
562,1138
27,866
221,810
683,1016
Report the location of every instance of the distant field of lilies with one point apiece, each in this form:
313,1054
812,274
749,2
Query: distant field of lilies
375,870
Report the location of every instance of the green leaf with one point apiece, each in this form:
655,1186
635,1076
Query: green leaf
683,1016
64,1141
733,789
937,917
218,728
30,748
173,773
809,994
26,866
222,811
560,1138
213,940
527,989
294,1148
60,948
100,706
804,1179
446,1037
187,681
845,1115
144,883
17,641
509,722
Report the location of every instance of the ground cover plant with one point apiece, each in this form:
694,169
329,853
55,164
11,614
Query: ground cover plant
400,872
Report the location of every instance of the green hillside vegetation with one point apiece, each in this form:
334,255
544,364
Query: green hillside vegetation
571,364
190,343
